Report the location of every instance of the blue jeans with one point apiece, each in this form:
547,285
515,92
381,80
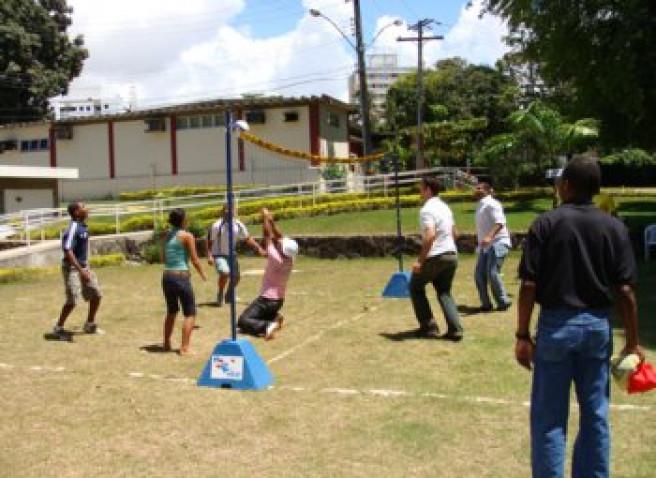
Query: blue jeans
572,346
488,268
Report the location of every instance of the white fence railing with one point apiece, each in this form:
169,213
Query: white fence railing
29,226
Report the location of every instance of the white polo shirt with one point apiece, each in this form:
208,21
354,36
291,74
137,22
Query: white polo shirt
488,213
437,214
219,235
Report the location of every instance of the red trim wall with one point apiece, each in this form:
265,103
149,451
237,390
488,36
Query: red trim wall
110,143
314,130
174,146
241,153
52,145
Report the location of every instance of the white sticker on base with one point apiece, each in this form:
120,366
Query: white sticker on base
227,367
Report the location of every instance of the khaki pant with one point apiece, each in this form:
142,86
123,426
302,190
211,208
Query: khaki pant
76,288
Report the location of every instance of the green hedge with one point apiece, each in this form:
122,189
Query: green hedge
176,191
17,274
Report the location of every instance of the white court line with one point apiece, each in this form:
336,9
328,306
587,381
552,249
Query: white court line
375,392
318,335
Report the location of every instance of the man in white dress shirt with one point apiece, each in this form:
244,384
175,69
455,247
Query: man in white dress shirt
437,264
492,248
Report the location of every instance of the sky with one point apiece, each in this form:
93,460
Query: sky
172,51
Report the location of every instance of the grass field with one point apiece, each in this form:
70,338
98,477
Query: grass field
637,211
350,399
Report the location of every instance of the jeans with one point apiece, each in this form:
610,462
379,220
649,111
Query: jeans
259,314
572,346
488,267
438,270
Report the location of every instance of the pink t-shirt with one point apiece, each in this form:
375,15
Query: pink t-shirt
276,274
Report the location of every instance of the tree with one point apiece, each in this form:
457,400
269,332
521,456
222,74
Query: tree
462,90
465,104
603,50
37,58
539,136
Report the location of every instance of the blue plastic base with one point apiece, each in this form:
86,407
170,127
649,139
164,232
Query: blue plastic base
398,286
235,364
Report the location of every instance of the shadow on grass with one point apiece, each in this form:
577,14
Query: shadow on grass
67,337
469,310
155,349
404,335
214,305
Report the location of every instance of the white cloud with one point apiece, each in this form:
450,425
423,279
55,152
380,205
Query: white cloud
173,51
478,40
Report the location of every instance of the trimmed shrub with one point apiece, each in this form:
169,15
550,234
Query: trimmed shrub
176,192
18,274
107,260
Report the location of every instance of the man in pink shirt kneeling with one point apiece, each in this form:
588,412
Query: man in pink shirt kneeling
262,317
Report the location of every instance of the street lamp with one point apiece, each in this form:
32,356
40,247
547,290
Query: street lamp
359,48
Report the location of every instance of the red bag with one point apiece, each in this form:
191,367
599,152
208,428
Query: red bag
643,379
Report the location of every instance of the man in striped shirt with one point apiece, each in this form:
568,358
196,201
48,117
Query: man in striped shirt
79,280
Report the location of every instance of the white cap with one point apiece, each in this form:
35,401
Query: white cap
289,247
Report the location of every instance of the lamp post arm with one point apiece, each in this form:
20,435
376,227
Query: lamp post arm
344,35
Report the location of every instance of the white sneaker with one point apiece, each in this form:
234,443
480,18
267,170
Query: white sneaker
271,330
92,328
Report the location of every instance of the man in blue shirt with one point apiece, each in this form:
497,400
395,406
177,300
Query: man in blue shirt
79,280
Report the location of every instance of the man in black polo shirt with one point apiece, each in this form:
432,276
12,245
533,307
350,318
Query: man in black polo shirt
79,280
576,259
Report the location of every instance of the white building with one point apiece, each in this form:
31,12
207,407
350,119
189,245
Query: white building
65,108
180,145
382,71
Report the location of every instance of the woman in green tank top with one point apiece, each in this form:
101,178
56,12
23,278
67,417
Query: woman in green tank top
178,247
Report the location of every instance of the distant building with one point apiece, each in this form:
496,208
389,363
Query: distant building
382,71
179,145
65,108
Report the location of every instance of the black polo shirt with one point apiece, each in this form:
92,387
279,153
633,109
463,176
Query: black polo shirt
577,254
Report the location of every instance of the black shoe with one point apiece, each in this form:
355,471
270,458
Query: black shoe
504,307
484,309
452,336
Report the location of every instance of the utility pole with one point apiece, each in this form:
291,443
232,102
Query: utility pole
362,78
420,39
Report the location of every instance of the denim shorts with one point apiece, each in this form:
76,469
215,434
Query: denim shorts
178,291
222,265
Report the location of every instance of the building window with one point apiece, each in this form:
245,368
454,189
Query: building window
207,121
219,120
34,145
181,122
333,119
255,117
194,122
291,116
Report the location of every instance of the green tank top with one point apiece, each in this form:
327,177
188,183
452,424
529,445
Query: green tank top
175,253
